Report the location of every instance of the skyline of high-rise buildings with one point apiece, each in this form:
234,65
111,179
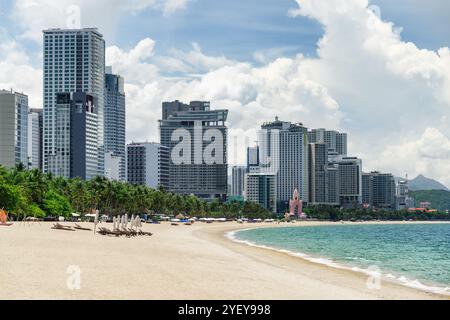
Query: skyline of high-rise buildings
82,127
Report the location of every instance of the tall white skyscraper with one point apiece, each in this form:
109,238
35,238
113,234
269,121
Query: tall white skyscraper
13,128
115,122
284,153
336,141
35,138
74,61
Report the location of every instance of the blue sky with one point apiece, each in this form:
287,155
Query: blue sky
238,28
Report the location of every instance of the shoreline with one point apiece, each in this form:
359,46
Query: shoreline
330,265
180,262
438,289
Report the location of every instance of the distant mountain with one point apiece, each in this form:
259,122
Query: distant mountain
439,199
423,183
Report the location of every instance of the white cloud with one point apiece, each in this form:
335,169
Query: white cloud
16,72
429,154
171,6
34,16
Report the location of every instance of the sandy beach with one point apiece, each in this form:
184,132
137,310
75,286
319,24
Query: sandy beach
177,262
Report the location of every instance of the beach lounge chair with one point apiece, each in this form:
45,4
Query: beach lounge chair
78,227
58,226
142,233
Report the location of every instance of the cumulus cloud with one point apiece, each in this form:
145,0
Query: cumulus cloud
252,94
429,154
16,72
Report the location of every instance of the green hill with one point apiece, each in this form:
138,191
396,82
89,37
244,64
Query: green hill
439,199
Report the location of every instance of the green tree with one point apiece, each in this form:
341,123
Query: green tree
57,205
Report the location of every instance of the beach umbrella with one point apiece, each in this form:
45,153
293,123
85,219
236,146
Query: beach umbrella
139,222
114,223
136,221
132,221
96,220
123,222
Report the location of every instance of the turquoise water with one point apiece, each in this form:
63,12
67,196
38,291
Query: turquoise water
411,253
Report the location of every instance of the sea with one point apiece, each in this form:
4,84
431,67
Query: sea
415,255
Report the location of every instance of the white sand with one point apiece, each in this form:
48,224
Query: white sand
183,262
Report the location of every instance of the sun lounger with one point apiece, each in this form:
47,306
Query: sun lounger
78,227
58,226
142,233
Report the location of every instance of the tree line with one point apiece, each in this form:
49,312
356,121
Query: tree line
329,213
32,193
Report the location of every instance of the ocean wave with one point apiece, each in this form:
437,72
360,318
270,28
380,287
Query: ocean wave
402,280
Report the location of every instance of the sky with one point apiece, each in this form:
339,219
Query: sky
379,70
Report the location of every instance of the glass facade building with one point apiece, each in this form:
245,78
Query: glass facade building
74,61
115,120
